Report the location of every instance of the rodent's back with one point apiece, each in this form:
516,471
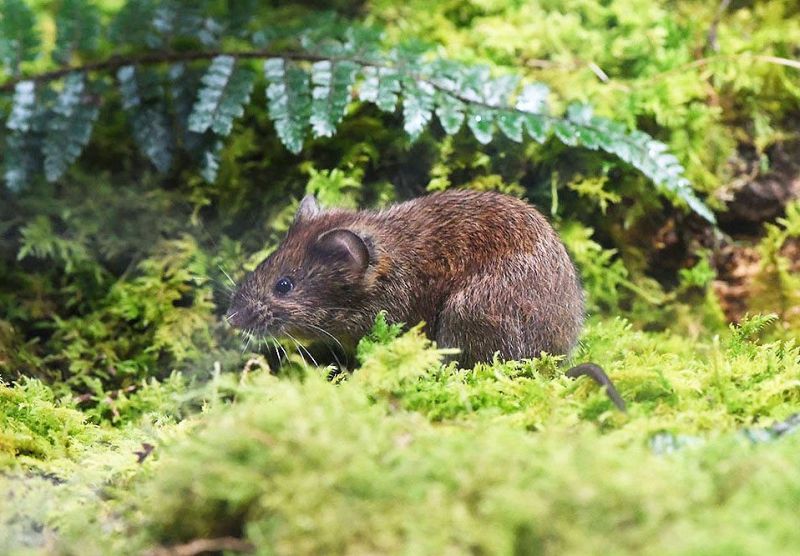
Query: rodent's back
464,228
431,248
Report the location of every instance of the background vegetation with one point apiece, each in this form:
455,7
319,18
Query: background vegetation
131,419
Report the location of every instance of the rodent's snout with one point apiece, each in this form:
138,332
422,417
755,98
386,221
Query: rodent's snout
240,317
244,317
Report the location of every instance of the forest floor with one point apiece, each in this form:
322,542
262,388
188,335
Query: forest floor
408,455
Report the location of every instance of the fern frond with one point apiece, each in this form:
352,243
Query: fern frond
21,159
380,86
77,29
480,121
23,107
19,39
226,90
579,128
209,160
532,106
143,98
341,62
333,82
289,99
418,104
450,112
69,128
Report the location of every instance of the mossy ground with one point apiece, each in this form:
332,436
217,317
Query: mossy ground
410,456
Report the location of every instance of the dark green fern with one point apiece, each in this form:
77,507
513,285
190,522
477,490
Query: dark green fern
311,84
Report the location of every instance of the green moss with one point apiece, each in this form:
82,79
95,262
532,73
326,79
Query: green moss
412,455
310,467
33,424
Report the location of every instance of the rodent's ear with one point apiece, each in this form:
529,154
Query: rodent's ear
308,207
343,245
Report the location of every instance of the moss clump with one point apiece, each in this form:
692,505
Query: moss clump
412,455
35,425
441,460
702,387
305,468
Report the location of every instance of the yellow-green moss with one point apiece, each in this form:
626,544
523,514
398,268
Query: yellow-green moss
412,456
34,424
497,460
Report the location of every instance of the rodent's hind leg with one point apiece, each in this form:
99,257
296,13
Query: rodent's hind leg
596,373
508,309
475,320
458,327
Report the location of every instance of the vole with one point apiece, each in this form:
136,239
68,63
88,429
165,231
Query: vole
484,271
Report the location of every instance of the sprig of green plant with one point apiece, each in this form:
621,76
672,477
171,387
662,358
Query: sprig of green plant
311,85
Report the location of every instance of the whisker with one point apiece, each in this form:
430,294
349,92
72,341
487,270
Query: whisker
304,348
247,343
283,349
335,358
220,285
227,276
332,337
348,310
300,353
328,334
275,349
300,350
276,345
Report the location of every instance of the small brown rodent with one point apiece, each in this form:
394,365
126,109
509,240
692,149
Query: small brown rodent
485,271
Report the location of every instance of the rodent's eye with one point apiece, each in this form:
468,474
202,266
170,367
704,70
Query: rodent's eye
284,285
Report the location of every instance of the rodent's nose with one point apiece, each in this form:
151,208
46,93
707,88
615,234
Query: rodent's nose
240,317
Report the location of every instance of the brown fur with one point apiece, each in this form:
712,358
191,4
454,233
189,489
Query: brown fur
484,271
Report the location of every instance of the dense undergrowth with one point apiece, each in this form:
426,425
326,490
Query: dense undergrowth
132,418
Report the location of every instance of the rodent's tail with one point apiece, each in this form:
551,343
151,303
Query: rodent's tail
597,373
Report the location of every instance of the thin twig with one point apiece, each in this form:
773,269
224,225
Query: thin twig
711,40
598,71
702,62
155,58
201,546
